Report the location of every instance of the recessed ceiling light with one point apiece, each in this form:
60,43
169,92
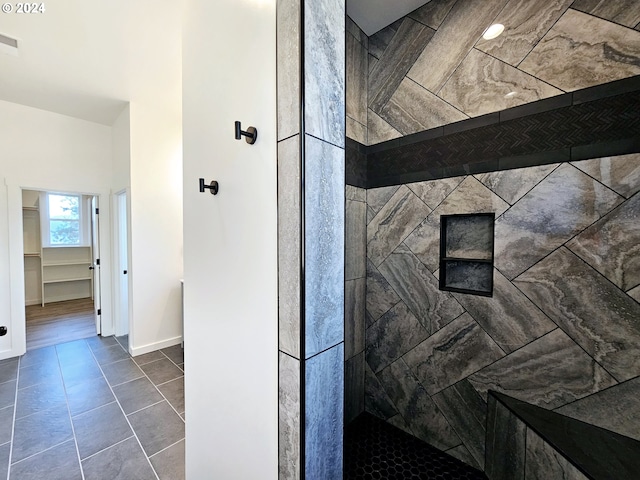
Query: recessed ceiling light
493,31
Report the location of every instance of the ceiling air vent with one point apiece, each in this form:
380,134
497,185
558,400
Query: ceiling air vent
8,45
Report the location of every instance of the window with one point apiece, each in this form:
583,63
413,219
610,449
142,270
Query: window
64,219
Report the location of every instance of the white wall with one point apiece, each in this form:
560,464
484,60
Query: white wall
155,201
230,241
44,151
121,141
121,145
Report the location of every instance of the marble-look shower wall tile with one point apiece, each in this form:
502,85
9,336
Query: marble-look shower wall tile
433,192
358,34
324,414
378,197
370,214
467,413
512,185
289,417
400,55
471,197
380,295
621,173
580,51
399,422
412,109
354,327
549,372
433,13
355,240
378,130
624,12
506,443
617,409
553,212
462,453
324,238
452,354
458,33
416,407
483,84
376,400
353,387
526,22
424,242
357,70
379,41
393,335
372,62
400,215
544,461
324,64
356,131
418,288
611,245
289,235
599,316
509,316
635,293
355,193
288,58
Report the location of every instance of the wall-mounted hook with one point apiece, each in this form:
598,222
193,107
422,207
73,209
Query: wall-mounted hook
213,186
251,134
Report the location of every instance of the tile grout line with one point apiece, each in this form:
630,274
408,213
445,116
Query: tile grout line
144,408
13,422
135,435
107,448
167,448
66,401
42,451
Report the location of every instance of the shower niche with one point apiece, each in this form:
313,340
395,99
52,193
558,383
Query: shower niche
466,253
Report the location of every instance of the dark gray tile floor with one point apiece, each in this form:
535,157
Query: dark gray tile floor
88,410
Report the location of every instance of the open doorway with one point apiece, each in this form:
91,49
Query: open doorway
61,267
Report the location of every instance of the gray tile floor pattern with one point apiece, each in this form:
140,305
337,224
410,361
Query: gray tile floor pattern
88,410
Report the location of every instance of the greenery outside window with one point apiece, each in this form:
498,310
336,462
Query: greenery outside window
64,219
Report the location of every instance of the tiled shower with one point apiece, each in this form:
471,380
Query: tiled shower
562,327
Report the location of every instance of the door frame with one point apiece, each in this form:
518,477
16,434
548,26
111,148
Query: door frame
121,326
17,320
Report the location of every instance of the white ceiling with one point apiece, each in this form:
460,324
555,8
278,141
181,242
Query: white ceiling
374,15
88,58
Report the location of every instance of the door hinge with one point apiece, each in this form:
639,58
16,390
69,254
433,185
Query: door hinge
99,311
97,211
98,261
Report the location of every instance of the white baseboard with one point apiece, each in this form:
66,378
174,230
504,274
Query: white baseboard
152,347
35,301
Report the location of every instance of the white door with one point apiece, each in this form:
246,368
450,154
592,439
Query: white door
122,327
95,266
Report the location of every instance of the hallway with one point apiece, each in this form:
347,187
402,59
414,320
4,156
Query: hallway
87,409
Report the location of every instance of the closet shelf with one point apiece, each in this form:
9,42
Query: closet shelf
31,254
61,264
77,279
